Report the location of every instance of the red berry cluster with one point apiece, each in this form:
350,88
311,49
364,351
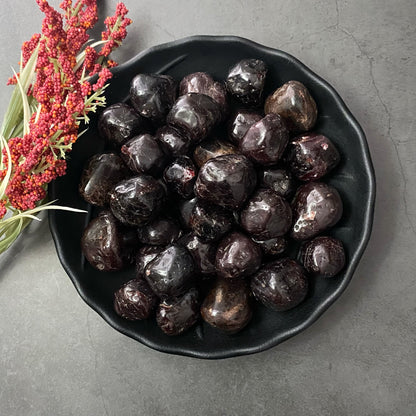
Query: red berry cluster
61,93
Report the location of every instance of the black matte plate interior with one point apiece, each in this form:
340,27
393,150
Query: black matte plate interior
354,179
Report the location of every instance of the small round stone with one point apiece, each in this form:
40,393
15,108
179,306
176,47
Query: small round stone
101,174
102,243
172,141
135,300
226,181
171,272
195,115
137,200
119,123
237,256
316,207
311,156
323,256
142,154
266,140
295,104
266,215
176,315
203,83
227,306
210,222
152,96
280,285
245,81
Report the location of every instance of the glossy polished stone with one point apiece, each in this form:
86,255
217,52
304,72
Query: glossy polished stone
240,122
172,141
171,272
203,83
273,246
266,215
195,115
135,300
316,207
311,156
152,96
280,285
176,315
245,81
102,243
323,256
142,154
226,181
227,306
237,256
266,140
295,104
119,123
210,222
101,174
137,200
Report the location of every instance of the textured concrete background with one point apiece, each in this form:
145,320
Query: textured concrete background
58,357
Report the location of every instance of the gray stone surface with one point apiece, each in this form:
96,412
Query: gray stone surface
58,357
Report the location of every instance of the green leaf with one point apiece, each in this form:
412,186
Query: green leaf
5,181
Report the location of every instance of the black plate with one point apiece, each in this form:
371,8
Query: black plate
354,179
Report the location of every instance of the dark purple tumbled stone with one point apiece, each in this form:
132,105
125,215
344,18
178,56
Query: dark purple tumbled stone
137,200
323,256
227,306
278,180
101,174
152,96
212,148
142,154
203,83
240,122
237,256
144,256
135,300
119,123
266,140
173,142
280,285
171,272
226,181
103,245
316,207
202,252
160,232
176,315
266,215
245,81
195,115
210,222
180,176
311,156
295,104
